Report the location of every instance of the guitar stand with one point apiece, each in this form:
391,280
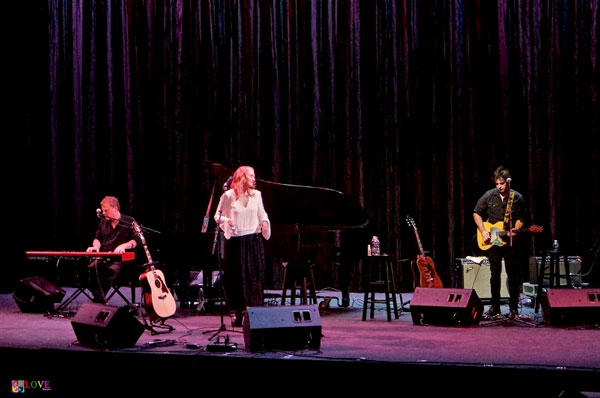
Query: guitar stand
151,325
161,325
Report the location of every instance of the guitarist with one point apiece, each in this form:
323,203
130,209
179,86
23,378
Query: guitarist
502,204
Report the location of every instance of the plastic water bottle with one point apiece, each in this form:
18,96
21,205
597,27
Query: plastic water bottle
375,246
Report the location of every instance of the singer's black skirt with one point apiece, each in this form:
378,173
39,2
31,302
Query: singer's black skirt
244,271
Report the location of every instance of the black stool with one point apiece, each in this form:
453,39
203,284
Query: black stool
377,272
553,257
299,277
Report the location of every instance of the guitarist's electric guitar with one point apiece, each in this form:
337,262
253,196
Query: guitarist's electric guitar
497,233
429,277
158,300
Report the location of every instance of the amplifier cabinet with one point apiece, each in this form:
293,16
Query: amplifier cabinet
574,270
473,275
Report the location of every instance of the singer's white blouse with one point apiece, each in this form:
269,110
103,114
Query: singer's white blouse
247,214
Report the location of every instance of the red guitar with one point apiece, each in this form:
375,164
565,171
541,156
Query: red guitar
158,300
429,278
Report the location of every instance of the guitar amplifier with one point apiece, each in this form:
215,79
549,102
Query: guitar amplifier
476,275
574,270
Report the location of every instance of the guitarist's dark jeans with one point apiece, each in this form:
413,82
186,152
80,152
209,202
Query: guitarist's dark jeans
513,273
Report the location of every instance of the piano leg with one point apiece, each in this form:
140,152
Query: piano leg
343,272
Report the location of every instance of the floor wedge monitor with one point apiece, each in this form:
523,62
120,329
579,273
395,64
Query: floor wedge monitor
571,306
284,327
37,294
445,306
105,326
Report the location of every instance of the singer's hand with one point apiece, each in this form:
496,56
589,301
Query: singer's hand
92,249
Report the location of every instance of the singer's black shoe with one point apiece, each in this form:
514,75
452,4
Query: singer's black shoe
236,319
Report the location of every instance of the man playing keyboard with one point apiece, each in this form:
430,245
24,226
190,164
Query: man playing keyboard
114,234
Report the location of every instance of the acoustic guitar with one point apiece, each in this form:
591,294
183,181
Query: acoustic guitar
497,234
428,275
158,300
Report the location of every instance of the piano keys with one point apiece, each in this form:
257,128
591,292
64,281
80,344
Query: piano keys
48,255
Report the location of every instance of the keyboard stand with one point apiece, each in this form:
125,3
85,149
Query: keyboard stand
80,290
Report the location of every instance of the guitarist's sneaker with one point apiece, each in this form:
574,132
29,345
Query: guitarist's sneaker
492,314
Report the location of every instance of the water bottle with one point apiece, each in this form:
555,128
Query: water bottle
375,246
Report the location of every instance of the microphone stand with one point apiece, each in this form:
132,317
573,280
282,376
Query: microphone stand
127,224
510,224
222,327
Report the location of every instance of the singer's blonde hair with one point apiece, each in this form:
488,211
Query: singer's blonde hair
240,183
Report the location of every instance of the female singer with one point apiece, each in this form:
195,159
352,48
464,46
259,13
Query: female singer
242,218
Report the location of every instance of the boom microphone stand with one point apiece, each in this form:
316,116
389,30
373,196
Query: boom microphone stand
217,244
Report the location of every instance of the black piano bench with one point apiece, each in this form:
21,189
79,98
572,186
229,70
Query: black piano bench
298,277
377,273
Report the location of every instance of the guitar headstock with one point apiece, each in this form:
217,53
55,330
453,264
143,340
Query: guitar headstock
138,230
535,229
410,221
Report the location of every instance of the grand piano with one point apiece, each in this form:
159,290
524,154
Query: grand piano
312,224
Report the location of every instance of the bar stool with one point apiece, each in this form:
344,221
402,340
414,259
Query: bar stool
299,277
377,272
553,257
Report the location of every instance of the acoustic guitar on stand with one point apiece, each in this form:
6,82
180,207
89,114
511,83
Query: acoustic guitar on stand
158,300
497,233
428,275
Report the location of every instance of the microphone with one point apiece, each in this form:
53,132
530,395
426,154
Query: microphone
99,213
227,183
509,180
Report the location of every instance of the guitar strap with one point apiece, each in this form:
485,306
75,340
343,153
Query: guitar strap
511,197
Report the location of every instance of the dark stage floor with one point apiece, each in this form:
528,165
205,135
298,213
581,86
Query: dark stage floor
355,358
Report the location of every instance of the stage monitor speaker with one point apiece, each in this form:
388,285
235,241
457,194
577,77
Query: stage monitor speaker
37,294
571,306
476,275
444,306
285,327
105,326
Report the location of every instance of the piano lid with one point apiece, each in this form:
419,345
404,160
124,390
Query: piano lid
289,204
303,205
307,219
